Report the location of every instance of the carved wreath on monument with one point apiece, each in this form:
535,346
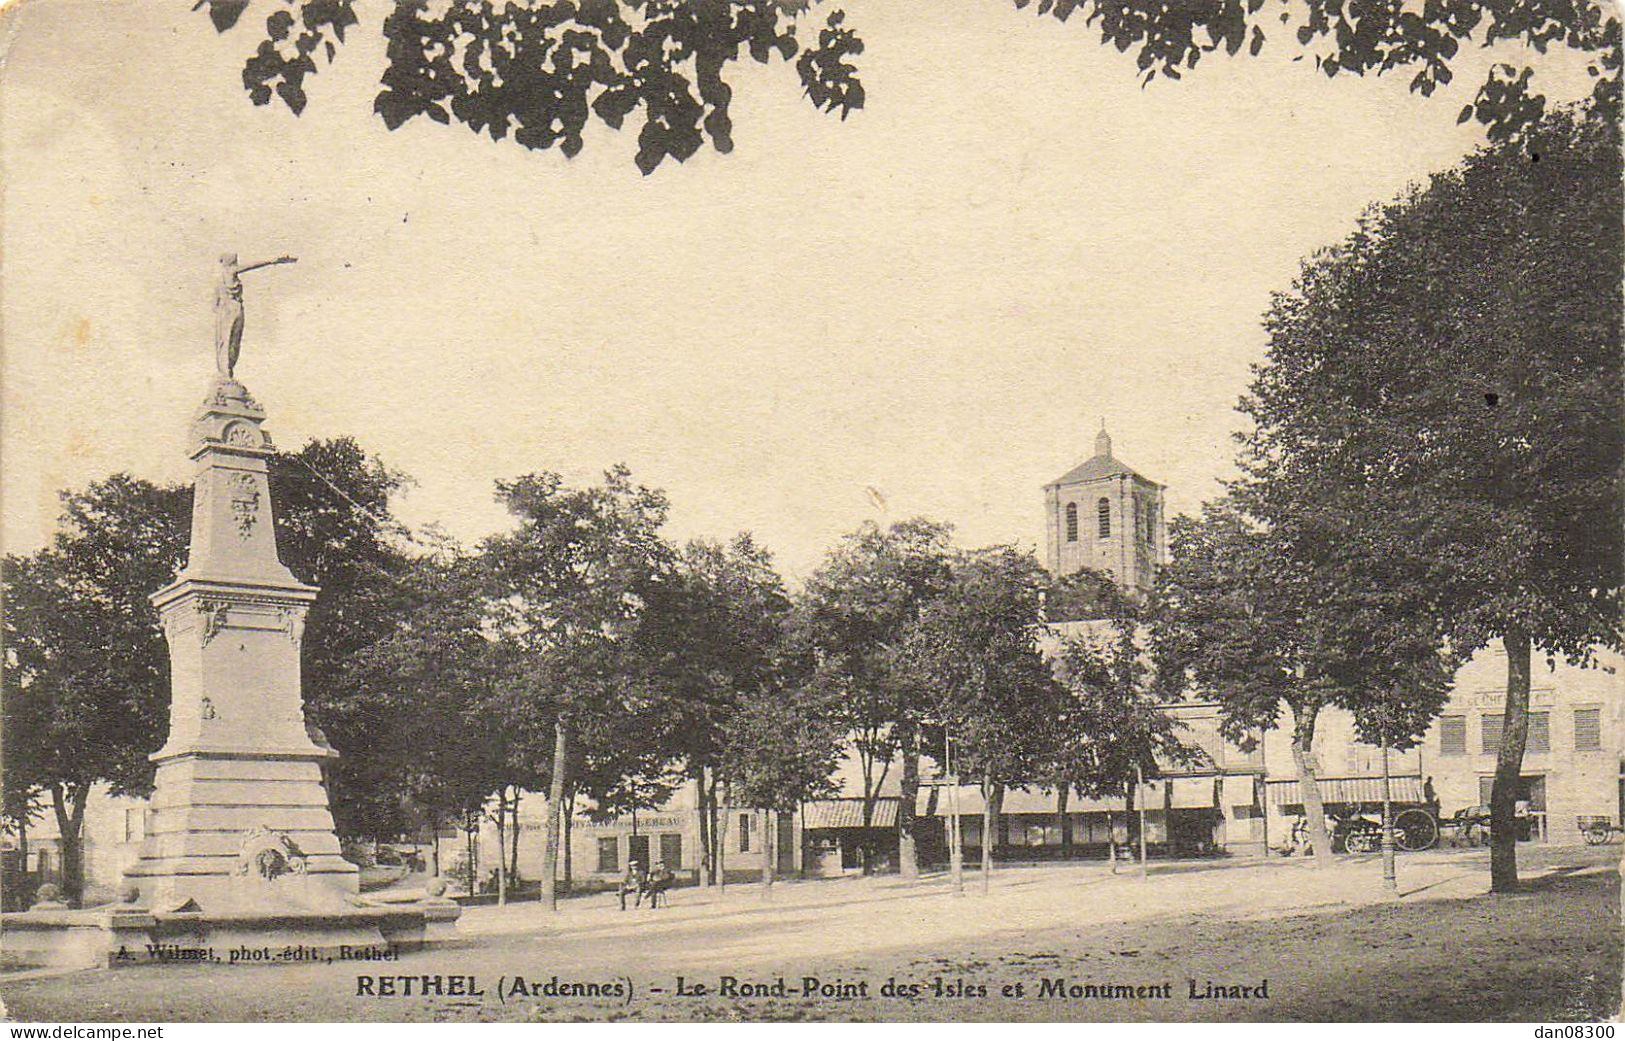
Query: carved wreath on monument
245,503
269,855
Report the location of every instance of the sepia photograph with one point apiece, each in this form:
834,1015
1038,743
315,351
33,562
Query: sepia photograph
666,511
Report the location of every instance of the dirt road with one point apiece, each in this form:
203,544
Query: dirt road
1237,940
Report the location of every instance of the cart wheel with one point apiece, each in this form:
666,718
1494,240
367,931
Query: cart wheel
1596,835
1415,830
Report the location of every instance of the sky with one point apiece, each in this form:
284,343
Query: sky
927,309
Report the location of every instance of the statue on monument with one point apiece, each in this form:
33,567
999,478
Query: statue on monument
228,311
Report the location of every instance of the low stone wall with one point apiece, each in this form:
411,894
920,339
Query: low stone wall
128,936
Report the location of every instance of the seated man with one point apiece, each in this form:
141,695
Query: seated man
656,884
633,882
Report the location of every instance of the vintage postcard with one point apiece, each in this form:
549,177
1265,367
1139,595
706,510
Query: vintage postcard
812,510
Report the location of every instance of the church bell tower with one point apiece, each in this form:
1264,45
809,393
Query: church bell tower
1103,515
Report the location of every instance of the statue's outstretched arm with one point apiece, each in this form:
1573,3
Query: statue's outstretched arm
266,263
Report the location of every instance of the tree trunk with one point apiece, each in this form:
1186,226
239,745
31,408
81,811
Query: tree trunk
992,795
1065,820
871,792
1390,880
555,803
1139,783
956,834
1303,740
70,815
908,858
767,854
719,833
502,846
1509,764
513,857
569,831
707,875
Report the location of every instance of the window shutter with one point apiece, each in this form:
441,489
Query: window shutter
1587,729
1491,731
1452,735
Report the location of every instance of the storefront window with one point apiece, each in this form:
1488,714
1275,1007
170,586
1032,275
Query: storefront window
1043,835
609,858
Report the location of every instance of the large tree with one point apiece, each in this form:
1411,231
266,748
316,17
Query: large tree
571,583
976,648
540,72
780,747
86,672
1303,614
448,719
1112,725
1446,384
855,615
712,636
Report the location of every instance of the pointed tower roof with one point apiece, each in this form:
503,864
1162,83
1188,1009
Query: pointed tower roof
1101,464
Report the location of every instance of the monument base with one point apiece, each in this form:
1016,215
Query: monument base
235,831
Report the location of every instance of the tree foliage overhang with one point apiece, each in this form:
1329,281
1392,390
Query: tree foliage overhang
540,72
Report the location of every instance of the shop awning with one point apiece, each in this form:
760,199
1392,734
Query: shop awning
1348,790
1180,793
1016,800
1239,791
848,813
936,802
1193,793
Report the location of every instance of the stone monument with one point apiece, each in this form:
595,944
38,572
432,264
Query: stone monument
240,851
239,818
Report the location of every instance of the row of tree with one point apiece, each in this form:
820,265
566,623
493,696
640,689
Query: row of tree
1434,463
580,653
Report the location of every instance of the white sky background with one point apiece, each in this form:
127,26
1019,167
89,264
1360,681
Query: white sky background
939,298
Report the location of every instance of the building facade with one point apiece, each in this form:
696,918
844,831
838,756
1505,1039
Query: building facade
599,850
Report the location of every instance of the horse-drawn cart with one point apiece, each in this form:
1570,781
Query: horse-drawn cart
1468,826
1598,830
1414,829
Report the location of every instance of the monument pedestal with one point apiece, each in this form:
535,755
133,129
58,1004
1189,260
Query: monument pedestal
240,819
